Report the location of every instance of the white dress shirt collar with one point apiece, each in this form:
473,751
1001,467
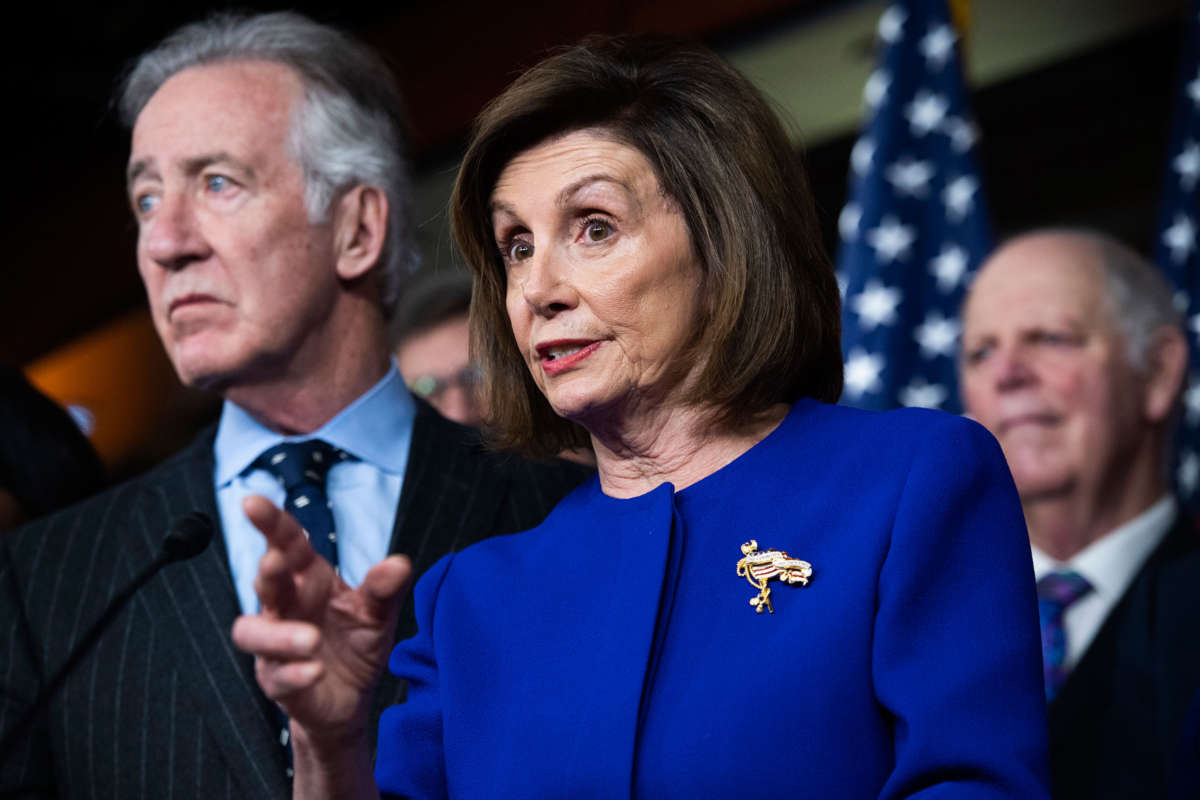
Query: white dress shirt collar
1109,564
367,429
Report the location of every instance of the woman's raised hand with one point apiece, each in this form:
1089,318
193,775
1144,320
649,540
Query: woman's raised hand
319,646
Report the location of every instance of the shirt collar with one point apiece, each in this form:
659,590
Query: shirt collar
368,429
1110,562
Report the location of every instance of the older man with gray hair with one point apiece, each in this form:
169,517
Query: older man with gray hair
1073,356
270,190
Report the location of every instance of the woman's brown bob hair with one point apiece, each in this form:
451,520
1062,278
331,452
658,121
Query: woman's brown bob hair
773,333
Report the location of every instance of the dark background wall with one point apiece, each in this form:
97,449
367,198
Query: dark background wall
1081,141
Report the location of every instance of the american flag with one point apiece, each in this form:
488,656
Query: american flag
915,226
1176,245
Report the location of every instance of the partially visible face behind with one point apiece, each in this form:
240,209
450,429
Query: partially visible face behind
603,282
11,513
1045,370
436,364
237,277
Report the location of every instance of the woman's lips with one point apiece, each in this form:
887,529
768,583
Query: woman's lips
563,354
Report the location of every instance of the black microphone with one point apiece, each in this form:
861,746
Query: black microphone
188,537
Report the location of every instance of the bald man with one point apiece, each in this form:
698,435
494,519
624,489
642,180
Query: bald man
1073,357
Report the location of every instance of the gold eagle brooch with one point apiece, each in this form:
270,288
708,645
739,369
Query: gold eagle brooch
759,568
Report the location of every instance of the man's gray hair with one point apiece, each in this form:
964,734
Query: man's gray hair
1137,296
349,131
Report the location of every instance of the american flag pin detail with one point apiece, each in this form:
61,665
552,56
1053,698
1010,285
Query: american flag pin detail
758,568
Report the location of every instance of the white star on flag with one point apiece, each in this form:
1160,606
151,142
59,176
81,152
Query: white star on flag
891,24
949,267
876,88
1187,164
1189,472
937,45
1180,301
861,155
921,394
936,335
891,240
843,285
963,134
1194,324
1191,401
1180,238
876,305
861,374
926,112
848,222
959,197
910,177
1193,90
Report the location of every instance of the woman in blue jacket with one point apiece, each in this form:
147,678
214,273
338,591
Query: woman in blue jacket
759,593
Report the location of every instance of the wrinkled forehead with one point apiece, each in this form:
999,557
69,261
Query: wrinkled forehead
575,156
246,103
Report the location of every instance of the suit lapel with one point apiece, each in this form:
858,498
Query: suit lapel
449,499
194,604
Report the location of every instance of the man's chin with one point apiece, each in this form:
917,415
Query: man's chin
1042,485
201,374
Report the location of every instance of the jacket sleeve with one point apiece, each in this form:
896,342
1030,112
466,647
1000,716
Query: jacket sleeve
410,761
956,653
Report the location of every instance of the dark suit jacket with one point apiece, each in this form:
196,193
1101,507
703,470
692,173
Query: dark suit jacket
164,706
1115,723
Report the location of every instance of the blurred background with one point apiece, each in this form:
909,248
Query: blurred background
1073,99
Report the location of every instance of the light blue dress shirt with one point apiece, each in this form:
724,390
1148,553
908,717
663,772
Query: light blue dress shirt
376,429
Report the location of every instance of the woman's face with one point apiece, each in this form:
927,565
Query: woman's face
603,282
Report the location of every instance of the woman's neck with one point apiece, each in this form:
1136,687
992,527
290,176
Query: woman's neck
681,447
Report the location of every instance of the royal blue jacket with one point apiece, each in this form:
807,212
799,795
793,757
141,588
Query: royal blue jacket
613,651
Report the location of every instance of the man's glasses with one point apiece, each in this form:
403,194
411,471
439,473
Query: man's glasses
430,387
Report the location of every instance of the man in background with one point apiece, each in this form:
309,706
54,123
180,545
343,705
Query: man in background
267,180
1073,357
431,340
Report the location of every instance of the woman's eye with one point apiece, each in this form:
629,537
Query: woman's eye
597,230
520,251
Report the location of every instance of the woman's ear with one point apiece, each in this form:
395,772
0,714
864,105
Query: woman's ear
1165,373
359,230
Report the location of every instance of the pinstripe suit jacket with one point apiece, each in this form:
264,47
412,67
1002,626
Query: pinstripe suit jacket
163,705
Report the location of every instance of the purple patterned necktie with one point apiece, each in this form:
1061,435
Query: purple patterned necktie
1056,592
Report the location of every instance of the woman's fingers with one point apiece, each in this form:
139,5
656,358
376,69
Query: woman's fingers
276,639
281,680
288,555
383,583
281,530
275,585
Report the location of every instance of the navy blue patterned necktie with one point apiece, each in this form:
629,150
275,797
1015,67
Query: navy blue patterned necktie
301,468
1057,591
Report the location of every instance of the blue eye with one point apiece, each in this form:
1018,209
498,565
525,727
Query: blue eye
145,203
217,183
